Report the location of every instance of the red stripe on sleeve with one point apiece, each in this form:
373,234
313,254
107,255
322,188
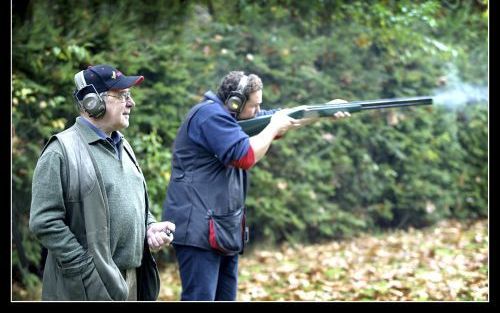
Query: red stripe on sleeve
246,161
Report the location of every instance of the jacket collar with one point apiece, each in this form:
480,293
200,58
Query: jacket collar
88,133
209,95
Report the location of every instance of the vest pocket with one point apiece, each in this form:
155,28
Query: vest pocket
81,281
95,289
70,286
227,232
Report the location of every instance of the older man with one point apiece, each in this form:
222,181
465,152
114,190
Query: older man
89,203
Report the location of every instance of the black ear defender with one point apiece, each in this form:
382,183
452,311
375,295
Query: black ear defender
237,99
91,102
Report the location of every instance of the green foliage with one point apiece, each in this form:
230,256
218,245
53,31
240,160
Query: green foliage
393,168
156,169
473,174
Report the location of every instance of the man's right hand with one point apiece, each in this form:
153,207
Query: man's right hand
160,234
280,122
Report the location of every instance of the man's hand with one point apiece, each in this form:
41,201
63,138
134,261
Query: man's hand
281,122
339,114
160,234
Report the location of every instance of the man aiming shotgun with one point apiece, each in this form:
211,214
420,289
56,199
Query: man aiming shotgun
208,185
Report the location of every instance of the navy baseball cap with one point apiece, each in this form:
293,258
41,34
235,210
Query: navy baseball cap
104,78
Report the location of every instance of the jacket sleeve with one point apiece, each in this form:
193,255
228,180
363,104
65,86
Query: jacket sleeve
223,137
48,211
150,218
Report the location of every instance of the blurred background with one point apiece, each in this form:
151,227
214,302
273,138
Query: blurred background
378,172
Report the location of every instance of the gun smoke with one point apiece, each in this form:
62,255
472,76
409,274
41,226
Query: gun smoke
455,94
461,95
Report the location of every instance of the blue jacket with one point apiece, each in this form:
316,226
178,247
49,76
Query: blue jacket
202,181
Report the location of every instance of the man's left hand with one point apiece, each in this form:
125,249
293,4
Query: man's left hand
340,114
160,234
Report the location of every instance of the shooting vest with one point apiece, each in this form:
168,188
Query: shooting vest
201,189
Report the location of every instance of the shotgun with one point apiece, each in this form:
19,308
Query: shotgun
255,125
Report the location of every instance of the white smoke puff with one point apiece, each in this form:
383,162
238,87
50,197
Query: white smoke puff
457,94
461,95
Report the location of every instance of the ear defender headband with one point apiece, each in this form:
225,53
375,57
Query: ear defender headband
237,99
92,103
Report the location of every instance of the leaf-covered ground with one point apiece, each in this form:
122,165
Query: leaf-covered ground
447,262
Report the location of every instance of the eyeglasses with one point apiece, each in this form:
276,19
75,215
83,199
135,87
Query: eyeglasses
124,96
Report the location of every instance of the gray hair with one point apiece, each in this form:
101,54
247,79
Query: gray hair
231,81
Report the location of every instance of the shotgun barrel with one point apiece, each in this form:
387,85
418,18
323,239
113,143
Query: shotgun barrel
255,125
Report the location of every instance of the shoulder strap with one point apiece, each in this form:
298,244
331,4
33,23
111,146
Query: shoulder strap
130,152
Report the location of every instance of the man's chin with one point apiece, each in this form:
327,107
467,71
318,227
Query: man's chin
124,124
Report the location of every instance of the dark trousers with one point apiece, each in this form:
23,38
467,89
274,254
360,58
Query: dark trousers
206,275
